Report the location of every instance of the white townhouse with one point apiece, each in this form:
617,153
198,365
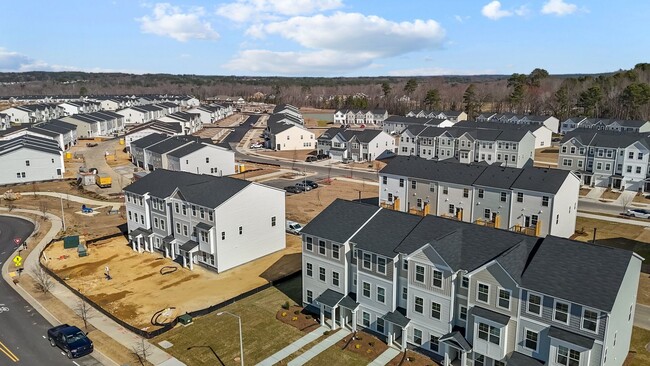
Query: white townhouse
368,117
604,124
358,145
30,158
454,116
64,136
5,121
110,104
102,123
550,122
535,201
204,220
77,107
395,125
607,158
67,132
468,295
146,129
190,122
211,113
290,111
141,114
33,113
285,133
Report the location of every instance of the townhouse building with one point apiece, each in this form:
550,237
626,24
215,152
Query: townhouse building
289,111
358,145
146,129
466,294
511,147
550,122
77,107
543,135
30,158
33,113
67,132
607,158
395,125
190,122
372,117
5,121
64,136
204,220
604,124
102,123
285,131
141,113
454,116
535,201
211,113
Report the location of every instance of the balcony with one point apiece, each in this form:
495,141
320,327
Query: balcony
530,230
483,222
387,205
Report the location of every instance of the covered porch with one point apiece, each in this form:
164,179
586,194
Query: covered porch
338,304
456,347
141,238
397,328
169,247
187,252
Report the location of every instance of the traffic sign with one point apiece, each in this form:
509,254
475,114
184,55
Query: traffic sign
18,260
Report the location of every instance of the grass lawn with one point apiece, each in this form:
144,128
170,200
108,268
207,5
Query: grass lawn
614,234
263,333
335,355
640,356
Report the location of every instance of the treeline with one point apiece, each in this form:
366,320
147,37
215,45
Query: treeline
622,94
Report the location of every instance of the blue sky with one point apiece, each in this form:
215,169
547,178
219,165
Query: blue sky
324,37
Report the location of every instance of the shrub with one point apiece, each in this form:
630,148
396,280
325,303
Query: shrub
284,313
286,305
357,346
296,312
294,318
327,332
410,359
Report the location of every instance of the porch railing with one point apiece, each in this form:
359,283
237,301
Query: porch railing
387,205
531,230
483,222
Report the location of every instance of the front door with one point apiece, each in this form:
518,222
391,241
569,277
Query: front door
459,213
526,221
278,147
587,180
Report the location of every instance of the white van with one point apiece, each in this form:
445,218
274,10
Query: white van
293,227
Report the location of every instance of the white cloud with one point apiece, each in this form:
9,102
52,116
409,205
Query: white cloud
437,71
493,11
325,62
522,11
11,61
559,8
170,21
245,10
461,19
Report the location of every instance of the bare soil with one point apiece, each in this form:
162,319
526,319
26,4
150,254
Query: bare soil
412,359
364,344
297,155
610,195
135,296
298,318
584,191
641,198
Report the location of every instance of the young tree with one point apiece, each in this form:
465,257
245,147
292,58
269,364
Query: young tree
432,99
142,351
470,103
562,104
410,87
43,281
386,89
84,309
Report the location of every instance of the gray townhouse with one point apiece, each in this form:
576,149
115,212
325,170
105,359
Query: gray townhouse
289,111
394,125
146,129
358,145
543,135
454,116
30,158
33,113
102,123
607,158
191,122
511,147
204,220
466,294
604,124
535,201
550,122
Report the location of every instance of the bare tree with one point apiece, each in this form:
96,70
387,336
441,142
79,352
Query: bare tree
626,200
142,350
84,309
44,282
42,206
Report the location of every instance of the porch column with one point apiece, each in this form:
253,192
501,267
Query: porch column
184,261
191,261
166,250
172,249
334,318
446,361
463,358
133,244
389,339
404,336
322,315
342,318
354,321
150,245
139,244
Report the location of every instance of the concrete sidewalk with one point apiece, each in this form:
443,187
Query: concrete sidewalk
78,199
595,193
96,319
319,348
620,220
293,347
385,357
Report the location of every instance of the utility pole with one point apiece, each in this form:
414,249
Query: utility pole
593,241
62,212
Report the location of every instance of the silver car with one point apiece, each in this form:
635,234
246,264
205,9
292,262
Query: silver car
638,212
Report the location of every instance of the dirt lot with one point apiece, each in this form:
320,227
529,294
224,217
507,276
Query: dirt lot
305,206
610,195
136,295
584,191
641,198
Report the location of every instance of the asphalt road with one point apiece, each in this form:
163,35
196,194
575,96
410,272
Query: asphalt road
241,130
23,330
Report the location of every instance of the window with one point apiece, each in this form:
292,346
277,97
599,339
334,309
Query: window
321,247
419,273
520,197
487,213
504,298
176,208
184,210
381,294
419,305
561,312
365,319
462,313
335,279
405,265
434,344
155,222
321,274
437,278
435,310
223,235
273,221
589,320
640,156
162,224
210,215
405,293
308,243
241,230
480,193
452,209
381,265
380,325
310,296
390,197
413,184
638,170
432,187
464,282
336,250
184,229
531,340
26,162
483,294
401,182
545,201
194,210
567,357
310,270
417,336
479,360
384,180
489,333
366,260
534,304
366,289
501,363
202,213
630,155
465,192
445,190
504,196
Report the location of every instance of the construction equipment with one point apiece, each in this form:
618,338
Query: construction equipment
103,180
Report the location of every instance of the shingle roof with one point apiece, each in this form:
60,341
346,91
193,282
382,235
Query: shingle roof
339,220
204,190
186,150
330,297
541,179
386,229
519,359
441,171
490,315
149,140
573,338
498,177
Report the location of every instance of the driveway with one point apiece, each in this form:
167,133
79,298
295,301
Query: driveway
95,157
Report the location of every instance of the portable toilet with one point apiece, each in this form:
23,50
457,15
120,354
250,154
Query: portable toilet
81,250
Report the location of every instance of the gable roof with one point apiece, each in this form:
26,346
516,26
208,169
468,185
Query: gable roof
541,179
187,149
339,220
149,140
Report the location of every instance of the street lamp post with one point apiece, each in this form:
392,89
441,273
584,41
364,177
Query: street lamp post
241,341
62,213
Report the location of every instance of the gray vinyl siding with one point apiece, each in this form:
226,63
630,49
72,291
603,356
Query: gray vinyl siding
422,191
372,302
575,317
373,266
492,200
328,249
496,278
422,260
425,320
543,341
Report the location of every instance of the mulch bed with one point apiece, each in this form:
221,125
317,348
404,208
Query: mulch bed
364,344
297,317
412,359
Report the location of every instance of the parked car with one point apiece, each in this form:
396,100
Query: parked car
293,227
293,189
311,183
322,156
638,212
311,158
346,160
257,145
70,340
304,186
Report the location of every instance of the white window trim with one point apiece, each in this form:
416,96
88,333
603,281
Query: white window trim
385,265
363,261
442,278
381,302
541,303
478,285
536,345
568,315
459,312
582,317
499,298
363,289
424,273
461,282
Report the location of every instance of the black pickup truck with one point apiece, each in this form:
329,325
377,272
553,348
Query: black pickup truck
71,340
